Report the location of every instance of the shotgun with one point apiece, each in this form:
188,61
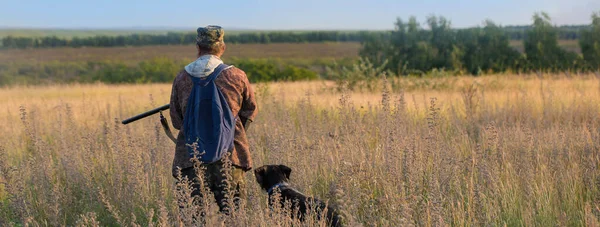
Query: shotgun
146,114
163,120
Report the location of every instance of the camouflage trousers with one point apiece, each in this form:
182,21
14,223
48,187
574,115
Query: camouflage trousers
215,180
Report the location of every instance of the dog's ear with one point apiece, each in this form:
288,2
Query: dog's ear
285,170
259,173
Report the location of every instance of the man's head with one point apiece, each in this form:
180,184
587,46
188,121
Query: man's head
210,40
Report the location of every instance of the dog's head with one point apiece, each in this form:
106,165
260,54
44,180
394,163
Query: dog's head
269,175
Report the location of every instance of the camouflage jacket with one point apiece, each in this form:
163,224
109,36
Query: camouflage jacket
236,88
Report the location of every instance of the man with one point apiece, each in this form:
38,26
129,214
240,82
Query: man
236,89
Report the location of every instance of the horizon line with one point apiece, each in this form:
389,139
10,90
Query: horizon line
192,29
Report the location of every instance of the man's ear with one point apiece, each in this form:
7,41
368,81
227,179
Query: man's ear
223,48
285,170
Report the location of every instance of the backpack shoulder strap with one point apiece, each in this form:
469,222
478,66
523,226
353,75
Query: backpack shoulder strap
218,71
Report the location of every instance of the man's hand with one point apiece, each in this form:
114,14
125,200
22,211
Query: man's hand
245,123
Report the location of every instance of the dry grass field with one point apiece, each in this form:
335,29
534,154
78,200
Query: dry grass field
486,151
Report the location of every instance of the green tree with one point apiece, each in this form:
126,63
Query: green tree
407,53
9,42
445,53
376,48
487,49
590,44
541,45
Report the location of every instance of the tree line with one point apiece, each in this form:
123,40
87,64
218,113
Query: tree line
565,32
174,38
412,49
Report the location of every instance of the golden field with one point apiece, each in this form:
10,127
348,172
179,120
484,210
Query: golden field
500,150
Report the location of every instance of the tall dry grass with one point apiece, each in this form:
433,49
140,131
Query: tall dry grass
495,150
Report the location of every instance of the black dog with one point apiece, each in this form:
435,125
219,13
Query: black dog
270,177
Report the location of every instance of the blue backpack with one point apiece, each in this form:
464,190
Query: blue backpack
208,120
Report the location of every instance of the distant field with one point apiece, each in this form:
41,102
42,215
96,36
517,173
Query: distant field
153,63
136,54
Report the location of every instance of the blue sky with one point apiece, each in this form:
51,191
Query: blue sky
281,14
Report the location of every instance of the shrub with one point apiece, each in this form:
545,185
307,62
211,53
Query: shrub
157,70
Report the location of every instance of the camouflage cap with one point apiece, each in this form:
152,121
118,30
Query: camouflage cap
210,35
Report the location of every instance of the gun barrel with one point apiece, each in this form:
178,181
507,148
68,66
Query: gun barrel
145,114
